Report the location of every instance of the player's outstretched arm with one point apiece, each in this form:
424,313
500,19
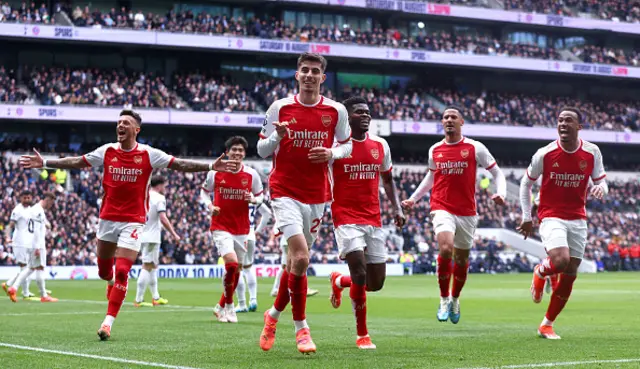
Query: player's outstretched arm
392,193
424,187
501,184
220,165
36,161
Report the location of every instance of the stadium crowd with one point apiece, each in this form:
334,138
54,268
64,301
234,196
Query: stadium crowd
54,86
274,28
26,13
218,92
614,238
212,93
9,90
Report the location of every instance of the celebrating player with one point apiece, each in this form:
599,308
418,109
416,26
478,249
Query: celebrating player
356,215
566,165
452,174
37,254
248,271
19,234
233,192
150,243
299,132
127,171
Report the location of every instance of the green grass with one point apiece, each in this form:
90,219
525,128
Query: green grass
498,327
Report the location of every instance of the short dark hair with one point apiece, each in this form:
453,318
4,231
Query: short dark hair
453,107
133,114
49,195
26,193
353,100
157,180
236,140
313,57
574,110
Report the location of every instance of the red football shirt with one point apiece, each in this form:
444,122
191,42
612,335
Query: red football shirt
356,180
293,175
565,179
126,178
229,190
454,175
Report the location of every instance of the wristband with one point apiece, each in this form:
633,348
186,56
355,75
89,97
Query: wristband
44,163
210,166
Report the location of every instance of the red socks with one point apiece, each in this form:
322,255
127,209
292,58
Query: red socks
105,268
547,268
298,292
359,302
560,296
444,275
229,282
283,298
119,292
459,277
345,281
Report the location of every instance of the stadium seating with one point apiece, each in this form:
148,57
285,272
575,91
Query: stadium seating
218,92
9,90
613,224
208,93
53,86
25,13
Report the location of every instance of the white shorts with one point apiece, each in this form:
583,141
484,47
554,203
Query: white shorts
21,254
37,261
150,252
294,217
564,233
284,249
123,234
227,243
463,227
249,256
367,238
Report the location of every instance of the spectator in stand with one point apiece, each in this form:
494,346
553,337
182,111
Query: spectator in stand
55,86
9,90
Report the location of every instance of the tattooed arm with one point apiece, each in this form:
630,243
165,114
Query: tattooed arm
220,165
36,161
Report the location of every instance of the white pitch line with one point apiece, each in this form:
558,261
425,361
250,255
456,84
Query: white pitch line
88,356
102,312
105,302
565,363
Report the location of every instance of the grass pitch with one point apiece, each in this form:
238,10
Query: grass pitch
600,328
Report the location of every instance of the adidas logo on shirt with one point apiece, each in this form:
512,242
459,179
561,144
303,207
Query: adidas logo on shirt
439,155
223,182
556,165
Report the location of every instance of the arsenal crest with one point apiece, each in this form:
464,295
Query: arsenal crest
583,165
137,159
464,153
326,120
375,153
245,182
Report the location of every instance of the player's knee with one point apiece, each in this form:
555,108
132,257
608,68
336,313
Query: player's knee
300,260
446,250
358,275
561,262
122,270
105,274
375,284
